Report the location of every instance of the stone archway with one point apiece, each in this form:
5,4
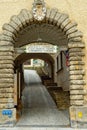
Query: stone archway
23,57
8,41
20,59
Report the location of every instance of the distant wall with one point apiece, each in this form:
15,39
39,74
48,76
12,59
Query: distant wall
48,69
63,75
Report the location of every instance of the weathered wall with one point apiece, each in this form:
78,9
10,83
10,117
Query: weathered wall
77,11
48,69
70,7
63,75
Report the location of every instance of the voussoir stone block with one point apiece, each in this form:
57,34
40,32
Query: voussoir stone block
77,72
6,100
62,18
76,87
75,50
70,25
6,38
76,54
17,21
76,45
6,43
76,67
6,105
76,77
6,90
9,28
58,15
14,25
77,63
6,57
48,14
53,14
6,75
77,102
10,34
6,85
25,14
75,39
75,34
22,18
6,49
6,53
78,92
6,66
65,23
6,62
6,71
6,80
6,95
76,97
71,30
77,82
77,58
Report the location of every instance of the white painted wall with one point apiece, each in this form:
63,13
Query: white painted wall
63,75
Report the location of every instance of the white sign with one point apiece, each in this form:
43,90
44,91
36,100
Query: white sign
41,49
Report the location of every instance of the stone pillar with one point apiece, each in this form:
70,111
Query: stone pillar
7,110
21,80
31,62
15,89
52,71
55,68
18,85
78,109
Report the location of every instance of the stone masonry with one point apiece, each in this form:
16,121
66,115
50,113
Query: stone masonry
76,53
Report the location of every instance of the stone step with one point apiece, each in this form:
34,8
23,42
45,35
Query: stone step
37,128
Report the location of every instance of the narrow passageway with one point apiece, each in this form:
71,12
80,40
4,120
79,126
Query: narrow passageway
39,107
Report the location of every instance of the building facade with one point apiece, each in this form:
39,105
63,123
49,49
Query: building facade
55,23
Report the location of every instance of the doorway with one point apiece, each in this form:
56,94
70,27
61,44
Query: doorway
56,28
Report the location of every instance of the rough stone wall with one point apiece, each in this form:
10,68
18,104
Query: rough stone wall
76,51
48,70
75,45
6,81
77,11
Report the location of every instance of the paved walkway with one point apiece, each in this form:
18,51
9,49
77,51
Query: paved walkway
39,128
39,108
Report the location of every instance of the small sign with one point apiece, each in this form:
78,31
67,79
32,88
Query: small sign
7,113
41,49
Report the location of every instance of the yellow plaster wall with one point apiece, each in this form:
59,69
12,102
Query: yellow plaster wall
77,10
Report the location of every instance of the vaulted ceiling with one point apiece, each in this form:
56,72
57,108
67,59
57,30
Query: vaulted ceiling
43,32
26,56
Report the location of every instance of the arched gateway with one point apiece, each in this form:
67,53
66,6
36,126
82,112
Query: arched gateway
52,27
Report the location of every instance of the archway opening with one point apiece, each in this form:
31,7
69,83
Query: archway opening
56,28
51,59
